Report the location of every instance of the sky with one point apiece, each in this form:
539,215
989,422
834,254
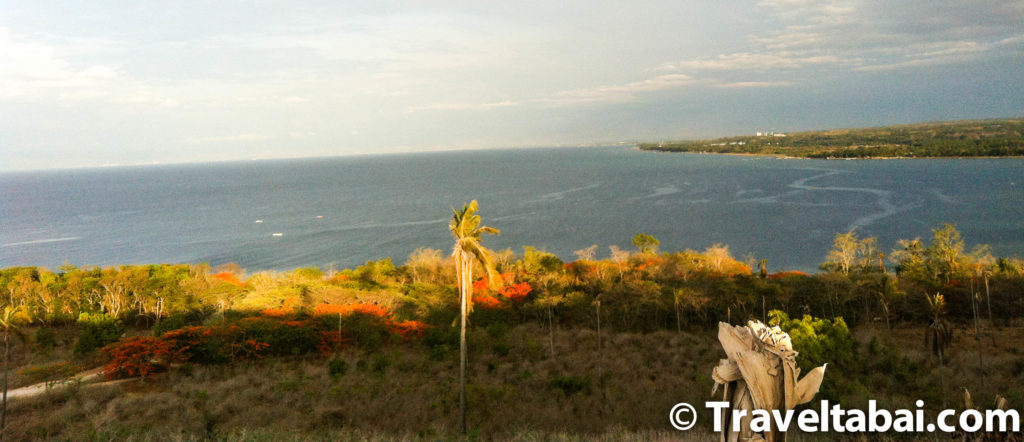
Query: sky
86,84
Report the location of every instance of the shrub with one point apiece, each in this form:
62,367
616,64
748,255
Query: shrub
571,385
215,344
409,329
440,352
497,330
173,322
441,341
368,331
381,364
46,338
329,341
282,337
369,325
337,368
96,331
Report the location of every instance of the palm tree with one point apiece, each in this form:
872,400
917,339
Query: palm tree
466,229
8,324
939,336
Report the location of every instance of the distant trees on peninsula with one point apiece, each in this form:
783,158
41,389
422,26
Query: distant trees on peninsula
979,138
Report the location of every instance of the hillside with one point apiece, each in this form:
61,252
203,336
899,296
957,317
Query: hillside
969,138
593,349
519,390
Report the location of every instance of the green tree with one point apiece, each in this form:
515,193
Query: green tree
467,231
424,265
821,341
910,259
646,243
888,292
946,252
545,268
97,330
850,252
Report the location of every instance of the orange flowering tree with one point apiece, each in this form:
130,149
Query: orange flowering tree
229,278
508,292
139,356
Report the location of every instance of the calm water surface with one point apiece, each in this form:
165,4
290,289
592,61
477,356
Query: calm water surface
341,212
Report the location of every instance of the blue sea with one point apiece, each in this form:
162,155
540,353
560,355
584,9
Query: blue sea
340,212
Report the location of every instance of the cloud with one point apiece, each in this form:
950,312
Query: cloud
749,61
32,68
229,138
753,84
404,42
621,92
870,35
462,106
37,71
947,52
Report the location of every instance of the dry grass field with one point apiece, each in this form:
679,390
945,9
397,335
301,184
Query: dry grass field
517,390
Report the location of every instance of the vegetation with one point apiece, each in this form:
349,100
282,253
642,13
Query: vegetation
465,227
9,322
592,346
974,138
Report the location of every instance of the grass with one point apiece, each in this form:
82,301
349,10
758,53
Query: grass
517,391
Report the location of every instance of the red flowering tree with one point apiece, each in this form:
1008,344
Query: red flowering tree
507,292
229,278
139,356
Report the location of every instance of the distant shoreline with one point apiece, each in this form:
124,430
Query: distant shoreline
994,138
791,157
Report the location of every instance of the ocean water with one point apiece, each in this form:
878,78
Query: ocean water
340,212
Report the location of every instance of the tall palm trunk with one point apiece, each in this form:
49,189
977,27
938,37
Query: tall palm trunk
466,229
977,336
465,277
551,332
988,300
7,357
679,321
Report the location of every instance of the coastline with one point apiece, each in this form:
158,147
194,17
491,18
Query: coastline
791,157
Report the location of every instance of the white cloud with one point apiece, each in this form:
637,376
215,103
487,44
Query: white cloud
405,42
30,69
620,92
229,138
36,71
463,106
753,84
750,61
